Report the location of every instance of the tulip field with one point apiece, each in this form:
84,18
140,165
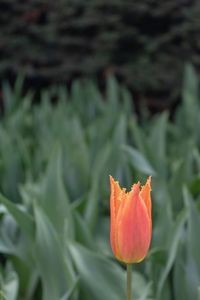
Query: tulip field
56,155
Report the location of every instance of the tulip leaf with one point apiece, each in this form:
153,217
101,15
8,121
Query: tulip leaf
137,160
23,219
178,230
104,279
83,234
10,286
100,277
157,144
179,275
92,204
53,196
112,94
56,272
192,265
198,291
146,291
8,242
138,134
68,294
190,97
193,227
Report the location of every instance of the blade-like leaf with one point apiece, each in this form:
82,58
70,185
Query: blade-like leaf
178,228
139,162
11,286
23,219
56,273
103,279
53,197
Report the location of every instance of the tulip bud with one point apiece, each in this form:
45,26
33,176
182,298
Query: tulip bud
130,221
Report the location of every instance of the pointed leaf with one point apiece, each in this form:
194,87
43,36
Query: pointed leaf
23,219
138,161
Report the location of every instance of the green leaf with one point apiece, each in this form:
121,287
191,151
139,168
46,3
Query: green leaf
192,265
99,276
146,291
112,94
56,272
190,97
92,204
193,227
137,134
198,291
53,196
11,286
8,231
23,219
137,160
8,97
179,275
83,234
104,279
157,143
68,295
76,158
178,230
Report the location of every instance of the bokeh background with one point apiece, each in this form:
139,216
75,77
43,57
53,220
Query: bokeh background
92,88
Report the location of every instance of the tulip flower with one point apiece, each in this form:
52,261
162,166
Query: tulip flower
131,224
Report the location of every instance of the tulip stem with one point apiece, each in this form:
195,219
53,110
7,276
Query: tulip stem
128,286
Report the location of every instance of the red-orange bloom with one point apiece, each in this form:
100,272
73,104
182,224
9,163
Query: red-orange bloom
130,221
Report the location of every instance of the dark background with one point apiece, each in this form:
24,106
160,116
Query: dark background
145,44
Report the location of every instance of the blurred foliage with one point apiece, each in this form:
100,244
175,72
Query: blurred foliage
145,43
55,159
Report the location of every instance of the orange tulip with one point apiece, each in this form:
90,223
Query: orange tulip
131,224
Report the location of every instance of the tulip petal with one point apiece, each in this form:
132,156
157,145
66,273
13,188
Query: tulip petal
115,199
145,194
133,228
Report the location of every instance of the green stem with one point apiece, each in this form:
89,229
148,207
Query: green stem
128,286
